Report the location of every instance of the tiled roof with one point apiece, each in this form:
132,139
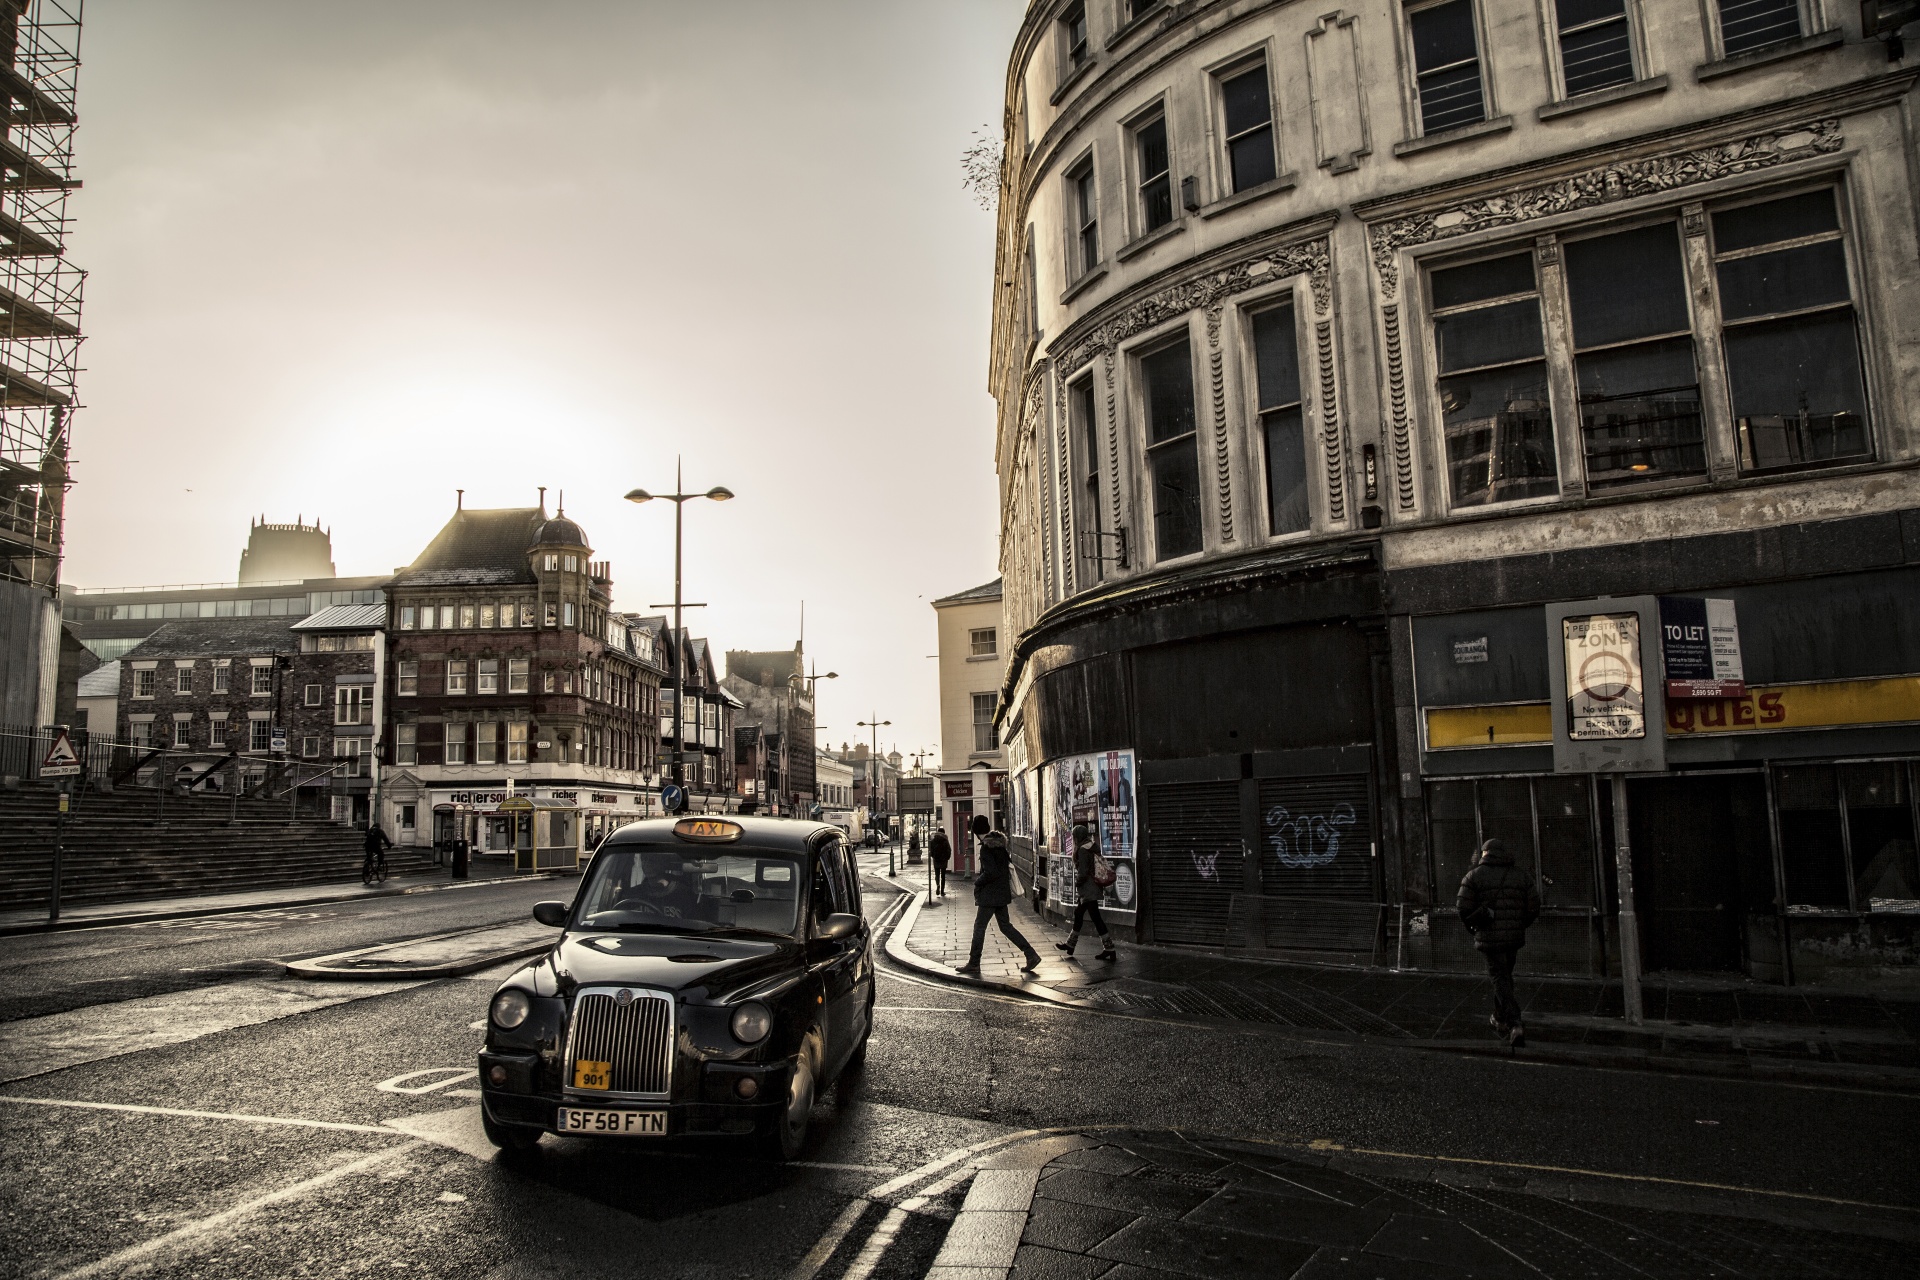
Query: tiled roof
218,638
345,617
101,682
987,591
477,548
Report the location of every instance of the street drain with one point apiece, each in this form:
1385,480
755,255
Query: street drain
1197,1181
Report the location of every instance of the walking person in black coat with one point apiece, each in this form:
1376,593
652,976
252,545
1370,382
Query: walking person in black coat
1497,902
1089,894
992,891
940,849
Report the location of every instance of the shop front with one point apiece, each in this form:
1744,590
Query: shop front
1777,840
963,793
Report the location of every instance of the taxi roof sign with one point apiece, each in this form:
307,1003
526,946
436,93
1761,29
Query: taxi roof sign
712,830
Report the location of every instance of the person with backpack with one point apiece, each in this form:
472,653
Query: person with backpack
1092,875
1497,902
992,892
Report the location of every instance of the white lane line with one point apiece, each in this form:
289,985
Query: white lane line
116,1263
816,1257
240,1117
917,1203
918,1008
927,1170
876,1246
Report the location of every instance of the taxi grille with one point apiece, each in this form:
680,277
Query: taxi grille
636,1038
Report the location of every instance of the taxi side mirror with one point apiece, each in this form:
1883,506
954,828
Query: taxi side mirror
550,913
839,925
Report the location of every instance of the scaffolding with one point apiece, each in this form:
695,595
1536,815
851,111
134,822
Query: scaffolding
39,290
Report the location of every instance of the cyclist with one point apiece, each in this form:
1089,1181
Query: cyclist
375,865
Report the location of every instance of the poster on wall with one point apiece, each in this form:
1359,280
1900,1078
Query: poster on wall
1060,844
1114,799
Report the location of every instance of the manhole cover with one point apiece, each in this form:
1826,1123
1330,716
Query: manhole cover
1198,1181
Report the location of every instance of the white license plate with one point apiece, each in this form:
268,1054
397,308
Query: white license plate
631,1124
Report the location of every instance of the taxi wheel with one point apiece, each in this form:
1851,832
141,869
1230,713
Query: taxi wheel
511,1139
788,1134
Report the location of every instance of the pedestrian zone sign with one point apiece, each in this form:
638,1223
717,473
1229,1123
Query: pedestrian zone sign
62,760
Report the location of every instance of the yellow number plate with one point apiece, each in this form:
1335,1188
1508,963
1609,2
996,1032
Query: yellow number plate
592,1075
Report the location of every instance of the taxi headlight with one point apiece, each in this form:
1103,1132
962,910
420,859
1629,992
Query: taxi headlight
510,1008
751,1022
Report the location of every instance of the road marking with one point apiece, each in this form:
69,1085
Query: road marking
116,1263
36,1046
916,1204
197,1115
918,1008
876,1246
451,1075
816,1257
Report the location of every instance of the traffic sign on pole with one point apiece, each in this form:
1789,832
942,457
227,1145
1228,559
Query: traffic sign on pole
62,760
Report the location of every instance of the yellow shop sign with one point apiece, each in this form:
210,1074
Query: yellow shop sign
1762,709
1778,707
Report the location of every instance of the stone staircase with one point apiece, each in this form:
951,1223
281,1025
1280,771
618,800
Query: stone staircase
119,847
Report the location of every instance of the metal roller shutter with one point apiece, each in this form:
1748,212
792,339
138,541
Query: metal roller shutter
1197,865
1317,872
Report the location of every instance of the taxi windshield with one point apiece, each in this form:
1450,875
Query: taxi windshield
681,889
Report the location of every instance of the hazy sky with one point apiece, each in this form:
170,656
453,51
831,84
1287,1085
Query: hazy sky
347,258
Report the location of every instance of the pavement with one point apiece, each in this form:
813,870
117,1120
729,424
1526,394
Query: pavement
440,955
97,915
1719,1027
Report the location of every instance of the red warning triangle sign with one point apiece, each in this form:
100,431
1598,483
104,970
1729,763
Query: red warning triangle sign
62,760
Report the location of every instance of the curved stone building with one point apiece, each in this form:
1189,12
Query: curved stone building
1336,348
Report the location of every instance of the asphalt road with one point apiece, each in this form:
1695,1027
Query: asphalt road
334,1133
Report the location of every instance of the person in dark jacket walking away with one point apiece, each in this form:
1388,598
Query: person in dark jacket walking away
940,849
1497,902
1089,893
992,891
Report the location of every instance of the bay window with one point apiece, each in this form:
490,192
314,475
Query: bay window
1276,359
1173,449
1491,360
1792,343
1633,357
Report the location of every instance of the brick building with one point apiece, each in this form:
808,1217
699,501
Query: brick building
508,666
334,706
205,689
776,694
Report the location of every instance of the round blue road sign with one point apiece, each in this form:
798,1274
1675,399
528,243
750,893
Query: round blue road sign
673,798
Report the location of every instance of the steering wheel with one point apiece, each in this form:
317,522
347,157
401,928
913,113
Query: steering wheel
638,905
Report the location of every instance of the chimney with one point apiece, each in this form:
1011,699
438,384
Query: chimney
459,500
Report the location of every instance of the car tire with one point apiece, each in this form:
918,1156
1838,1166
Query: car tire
786,1135
510,1138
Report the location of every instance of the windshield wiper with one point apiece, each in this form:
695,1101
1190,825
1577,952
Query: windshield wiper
653,926
741,928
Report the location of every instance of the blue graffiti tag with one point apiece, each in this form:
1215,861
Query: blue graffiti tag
1310,839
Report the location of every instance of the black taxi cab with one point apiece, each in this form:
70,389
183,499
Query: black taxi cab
712,974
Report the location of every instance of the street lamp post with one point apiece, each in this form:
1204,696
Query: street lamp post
679,501
873,778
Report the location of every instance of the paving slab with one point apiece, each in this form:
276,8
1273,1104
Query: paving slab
1735,1028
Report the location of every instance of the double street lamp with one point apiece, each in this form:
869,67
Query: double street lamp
679,501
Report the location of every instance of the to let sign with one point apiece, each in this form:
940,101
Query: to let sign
1606,695
1700,647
